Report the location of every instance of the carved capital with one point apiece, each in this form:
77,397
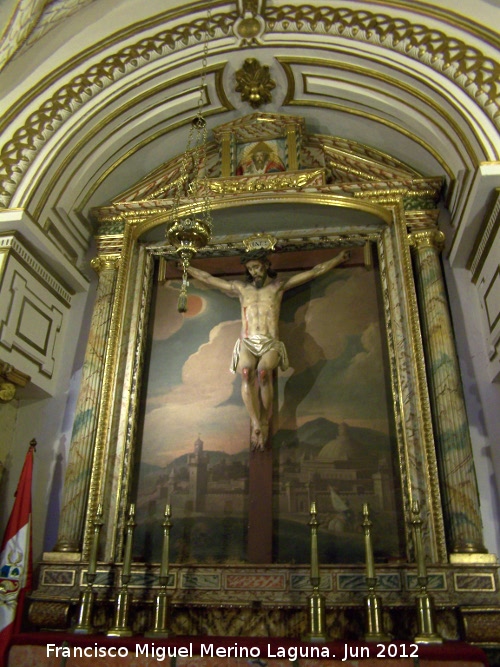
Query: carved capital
10,379
427,238
421,220
105,263
7,391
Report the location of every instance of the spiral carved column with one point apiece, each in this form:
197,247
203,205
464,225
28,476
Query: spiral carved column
451,430
76,482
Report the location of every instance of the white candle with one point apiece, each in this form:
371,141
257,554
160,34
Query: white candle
370,567
127,559
314,544
95,541
417,533
166,534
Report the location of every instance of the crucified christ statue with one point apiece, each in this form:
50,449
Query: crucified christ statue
258,350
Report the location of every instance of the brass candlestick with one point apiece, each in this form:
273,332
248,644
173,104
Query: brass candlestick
316,607
120,627
374,621
427,633
161,601
87,599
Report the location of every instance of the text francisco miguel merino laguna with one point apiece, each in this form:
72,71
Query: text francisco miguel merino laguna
160,653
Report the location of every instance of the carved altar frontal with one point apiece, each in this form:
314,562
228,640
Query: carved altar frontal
271,601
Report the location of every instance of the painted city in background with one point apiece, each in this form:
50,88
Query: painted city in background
332,438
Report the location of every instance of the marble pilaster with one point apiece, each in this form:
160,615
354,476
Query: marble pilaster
78,472
459,491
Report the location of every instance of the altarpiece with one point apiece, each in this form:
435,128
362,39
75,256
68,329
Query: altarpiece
372,410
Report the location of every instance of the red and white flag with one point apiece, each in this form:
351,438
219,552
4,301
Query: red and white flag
16,558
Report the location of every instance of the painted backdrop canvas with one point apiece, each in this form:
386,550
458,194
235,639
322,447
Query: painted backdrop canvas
332,426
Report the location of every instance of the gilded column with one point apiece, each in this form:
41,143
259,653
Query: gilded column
451,430
291,137
76,482
226,155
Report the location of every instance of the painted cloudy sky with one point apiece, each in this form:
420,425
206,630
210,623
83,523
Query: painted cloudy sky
331,327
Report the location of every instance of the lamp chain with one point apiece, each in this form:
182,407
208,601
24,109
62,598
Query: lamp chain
191,229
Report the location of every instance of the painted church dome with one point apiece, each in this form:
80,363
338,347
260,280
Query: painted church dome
342,448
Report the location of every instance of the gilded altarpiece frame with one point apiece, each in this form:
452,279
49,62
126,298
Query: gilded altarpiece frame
111,471
281,589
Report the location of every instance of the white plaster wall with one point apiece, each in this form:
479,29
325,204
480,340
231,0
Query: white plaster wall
49,420
8,418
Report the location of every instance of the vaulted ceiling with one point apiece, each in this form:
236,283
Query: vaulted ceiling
99,93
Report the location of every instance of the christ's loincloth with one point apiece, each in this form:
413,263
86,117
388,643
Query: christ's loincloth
258,346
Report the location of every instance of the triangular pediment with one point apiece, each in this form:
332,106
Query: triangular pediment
259,127
339,161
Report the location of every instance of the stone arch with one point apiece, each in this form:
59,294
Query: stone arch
458,58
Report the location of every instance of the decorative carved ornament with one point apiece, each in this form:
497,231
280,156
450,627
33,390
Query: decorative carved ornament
250,25
254,83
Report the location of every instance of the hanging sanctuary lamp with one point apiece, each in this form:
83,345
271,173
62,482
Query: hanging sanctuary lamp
191,225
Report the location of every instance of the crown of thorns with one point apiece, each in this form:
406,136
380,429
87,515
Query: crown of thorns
253,255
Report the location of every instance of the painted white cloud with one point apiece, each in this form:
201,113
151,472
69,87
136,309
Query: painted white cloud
355,387
322,325
194,407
